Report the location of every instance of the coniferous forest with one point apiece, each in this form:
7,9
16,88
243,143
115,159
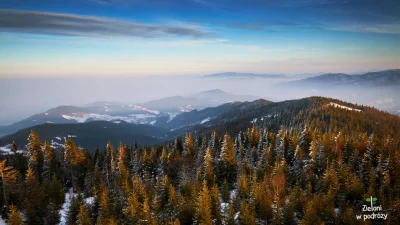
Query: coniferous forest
318,173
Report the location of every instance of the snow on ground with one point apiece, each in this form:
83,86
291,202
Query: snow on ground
6,150
237,216
49,122
58,138
107,109
136,107
55,144
224,207
2,221
172,116
254,120
117,122
68,197
72,136
46,114
187,108
343,107
153,122
205,120
133,118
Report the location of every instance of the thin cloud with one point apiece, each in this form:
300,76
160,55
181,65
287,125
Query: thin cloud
88,26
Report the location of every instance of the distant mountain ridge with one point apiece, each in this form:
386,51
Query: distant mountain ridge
243,75
140,113
370,79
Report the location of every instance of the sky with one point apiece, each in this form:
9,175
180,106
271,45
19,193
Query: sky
111,38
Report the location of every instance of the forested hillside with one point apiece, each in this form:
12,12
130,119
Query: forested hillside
317,168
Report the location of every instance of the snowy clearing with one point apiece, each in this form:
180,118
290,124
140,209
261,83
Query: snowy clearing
133,118
136,107
343,107
205,120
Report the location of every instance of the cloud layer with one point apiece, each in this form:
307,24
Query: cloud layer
87,26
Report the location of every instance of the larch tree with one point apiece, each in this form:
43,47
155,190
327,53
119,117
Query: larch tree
14,216
83,216
203,206
8,175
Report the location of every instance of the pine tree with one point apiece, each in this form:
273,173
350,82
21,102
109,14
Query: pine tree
35,156
134,208
52,215
83,216
33,198
49,162
230,219
247,215
73,210
227,162
208,167
280,144
14,216
8,175
203,206
216,205
189,146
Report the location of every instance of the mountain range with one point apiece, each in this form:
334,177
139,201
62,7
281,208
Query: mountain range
371,79
229,117
162,119
139,113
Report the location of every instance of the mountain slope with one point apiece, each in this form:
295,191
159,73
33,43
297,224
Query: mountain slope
322,113
91,134
51,116
372,79
160,110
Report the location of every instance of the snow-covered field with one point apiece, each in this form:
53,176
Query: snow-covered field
7,150
133,118
64,210
205,120
343,107
136,107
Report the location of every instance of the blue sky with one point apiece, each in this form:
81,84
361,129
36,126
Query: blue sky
188,37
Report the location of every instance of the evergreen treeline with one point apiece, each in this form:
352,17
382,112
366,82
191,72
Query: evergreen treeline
255,177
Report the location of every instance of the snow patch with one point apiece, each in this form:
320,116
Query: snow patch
72,136
117,122
187,108
46,114
205,120
133,118
2,221
254,120
58,138
153,122
107,109
136,107
343,107
6,150
171,116
68,197
55,144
